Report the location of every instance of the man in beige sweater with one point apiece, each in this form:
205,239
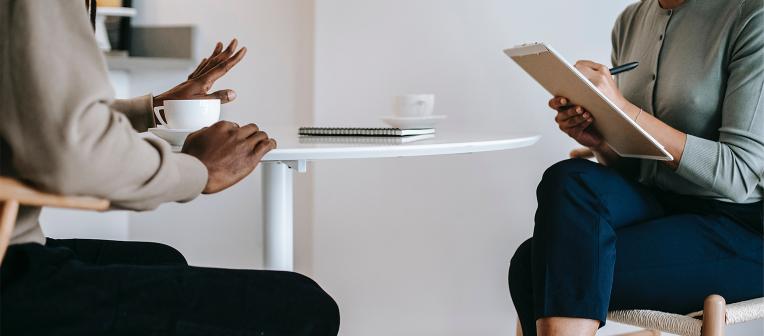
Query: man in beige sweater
62,130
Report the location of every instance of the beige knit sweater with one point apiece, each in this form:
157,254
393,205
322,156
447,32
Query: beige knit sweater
61,128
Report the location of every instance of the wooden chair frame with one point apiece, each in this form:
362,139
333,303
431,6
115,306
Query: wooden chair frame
14,194
713,323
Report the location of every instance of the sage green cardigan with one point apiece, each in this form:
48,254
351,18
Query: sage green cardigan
702,72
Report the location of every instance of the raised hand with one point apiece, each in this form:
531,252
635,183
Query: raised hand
201,80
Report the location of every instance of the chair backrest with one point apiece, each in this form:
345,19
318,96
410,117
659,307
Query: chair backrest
14,194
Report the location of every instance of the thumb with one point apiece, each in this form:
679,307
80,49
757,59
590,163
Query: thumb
225,96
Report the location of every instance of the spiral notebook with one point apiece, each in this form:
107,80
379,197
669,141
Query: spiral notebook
363,140
366,132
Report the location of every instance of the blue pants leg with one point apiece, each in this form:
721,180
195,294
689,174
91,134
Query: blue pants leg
603,242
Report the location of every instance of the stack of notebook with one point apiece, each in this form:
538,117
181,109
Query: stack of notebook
361,136
363,132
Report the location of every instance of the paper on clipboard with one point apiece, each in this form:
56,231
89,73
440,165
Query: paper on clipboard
560,78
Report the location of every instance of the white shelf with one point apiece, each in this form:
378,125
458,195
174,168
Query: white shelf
116,11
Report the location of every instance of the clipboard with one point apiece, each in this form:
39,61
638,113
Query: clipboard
560,78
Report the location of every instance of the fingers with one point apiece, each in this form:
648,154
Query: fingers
220,56
588,72
222,68
218,49
575,121
249,134
256,138
558,102
232,46
585,64
225,125
569,113
199,68
576,131
248,130
263,147
205,64
225,96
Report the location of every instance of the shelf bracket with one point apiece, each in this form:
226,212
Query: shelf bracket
300,166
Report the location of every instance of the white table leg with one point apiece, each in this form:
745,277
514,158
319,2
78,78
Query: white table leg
278,201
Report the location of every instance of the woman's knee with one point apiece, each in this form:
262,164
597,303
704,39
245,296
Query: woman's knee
561,173
567,181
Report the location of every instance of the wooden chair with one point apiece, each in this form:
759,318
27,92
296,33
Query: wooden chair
711,321
14,194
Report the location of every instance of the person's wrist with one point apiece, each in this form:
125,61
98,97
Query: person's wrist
600,148
158,100
631,110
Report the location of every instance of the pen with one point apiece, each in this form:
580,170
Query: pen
624,68
614,71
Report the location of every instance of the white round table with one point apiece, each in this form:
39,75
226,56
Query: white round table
294,152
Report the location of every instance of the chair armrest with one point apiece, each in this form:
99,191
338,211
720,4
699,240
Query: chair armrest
14,194
12,190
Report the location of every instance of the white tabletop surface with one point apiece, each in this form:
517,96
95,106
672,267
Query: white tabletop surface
292,147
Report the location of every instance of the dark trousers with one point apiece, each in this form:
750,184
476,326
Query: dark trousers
86,287
603,242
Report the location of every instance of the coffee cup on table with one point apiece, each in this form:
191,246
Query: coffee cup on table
188,114
414,105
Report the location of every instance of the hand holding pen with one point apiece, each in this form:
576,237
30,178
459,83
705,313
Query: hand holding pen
575,120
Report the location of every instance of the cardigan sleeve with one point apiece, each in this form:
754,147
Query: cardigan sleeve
733,166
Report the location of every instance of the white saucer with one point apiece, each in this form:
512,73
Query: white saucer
175,137
413,122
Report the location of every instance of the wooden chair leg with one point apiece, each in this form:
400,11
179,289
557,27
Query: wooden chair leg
714,316
8,212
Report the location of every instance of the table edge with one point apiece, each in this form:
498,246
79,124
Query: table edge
390,151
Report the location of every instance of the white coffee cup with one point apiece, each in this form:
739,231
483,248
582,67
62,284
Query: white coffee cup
414,105
188,114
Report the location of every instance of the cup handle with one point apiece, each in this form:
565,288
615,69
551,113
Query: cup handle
157,113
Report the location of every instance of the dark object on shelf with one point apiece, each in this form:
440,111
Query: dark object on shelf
125,32
173,42
156,49
118,27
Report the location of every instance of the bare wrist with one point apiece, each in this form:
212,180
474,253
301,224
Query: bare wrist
601,148
158,101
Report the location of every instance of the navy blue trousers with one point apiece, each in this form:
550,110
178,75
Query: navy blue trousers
604,242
